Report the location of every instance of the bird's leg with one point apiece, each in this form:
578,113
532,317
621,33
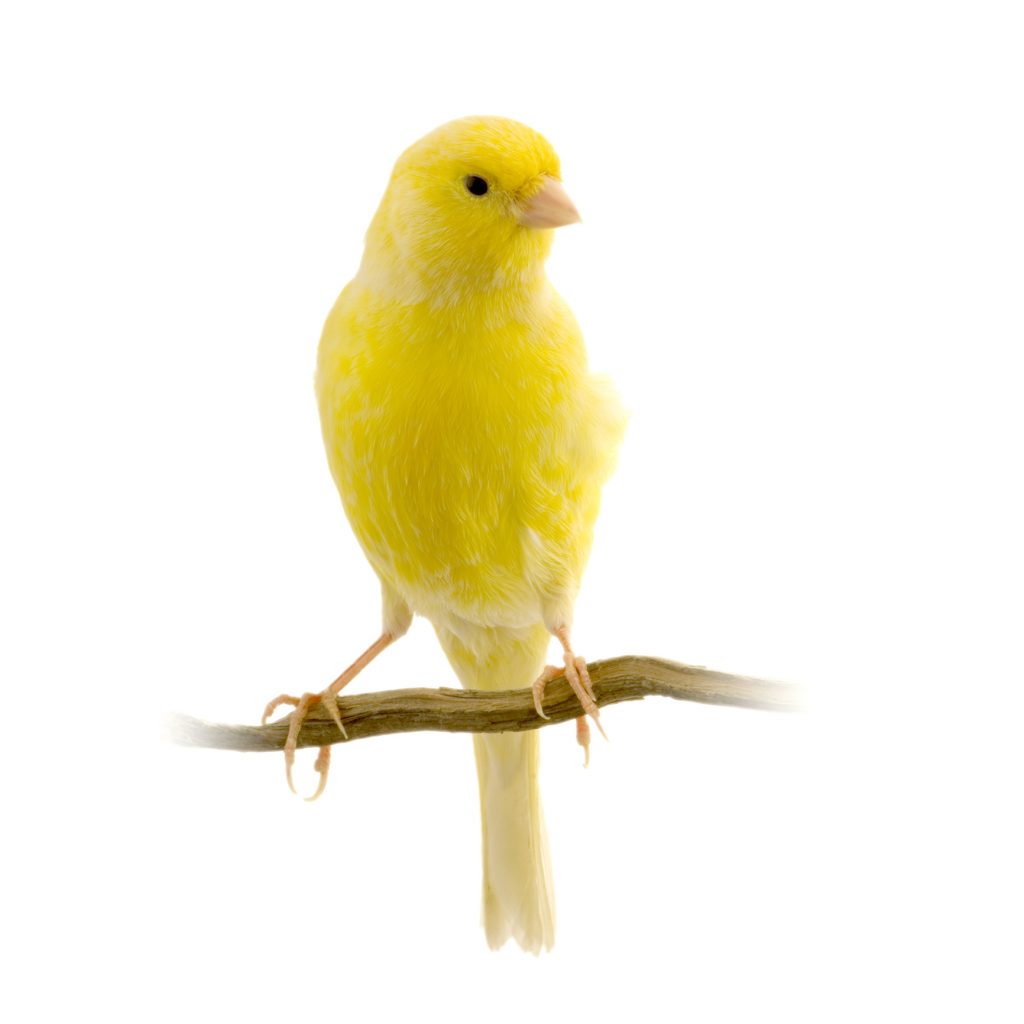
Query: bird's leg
578,678
307,700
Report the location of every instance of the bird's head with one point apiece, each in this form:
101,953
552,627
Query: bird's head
469,209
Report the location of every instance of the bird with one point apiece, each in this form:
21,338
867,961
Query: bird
469,442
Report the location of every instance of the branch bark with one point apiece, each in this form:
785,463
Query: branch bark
449,710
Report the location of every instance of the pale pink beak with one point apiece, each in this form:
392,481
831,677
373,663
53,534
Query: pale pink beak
551,207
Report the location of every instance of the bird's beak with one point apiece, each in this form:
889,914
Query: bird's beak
551,207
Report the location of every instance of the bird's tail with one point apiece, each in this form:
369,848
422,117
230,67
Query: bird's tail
518,896
519,899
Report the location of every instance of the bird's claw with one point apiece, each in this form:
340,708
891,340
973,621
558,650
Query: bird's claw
540,684
578,678
329,697
302,705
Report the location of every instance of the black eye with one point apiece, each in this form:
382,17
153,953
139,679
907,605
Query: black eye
476,186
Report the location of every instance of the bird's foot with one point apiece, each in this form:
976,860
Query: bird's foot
302,705
329,698
578,678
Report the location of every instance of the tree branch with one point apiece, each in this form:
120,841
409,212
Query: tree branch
449,710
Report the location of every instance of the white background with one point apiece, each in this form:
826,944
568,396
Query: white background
801,260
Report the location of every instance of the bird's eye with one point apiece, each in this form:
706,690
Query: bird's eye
476,186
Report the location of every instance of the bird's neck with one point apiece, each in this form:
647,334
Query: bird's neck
460,313
439,279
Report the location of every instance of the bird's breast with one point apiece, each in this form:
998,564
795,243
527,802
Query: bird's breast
443,448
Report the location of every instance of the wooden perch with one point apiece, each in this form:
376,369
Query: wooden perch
450,710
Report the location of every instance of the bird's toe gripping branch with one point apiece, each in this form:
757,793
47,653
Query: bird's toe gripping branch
577,676
302,705
329,698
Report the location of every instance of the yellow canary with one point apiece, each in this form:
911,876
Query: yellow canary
469,443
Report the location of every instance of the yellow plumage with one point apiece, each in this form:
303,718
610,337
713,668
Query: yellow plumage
469,444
